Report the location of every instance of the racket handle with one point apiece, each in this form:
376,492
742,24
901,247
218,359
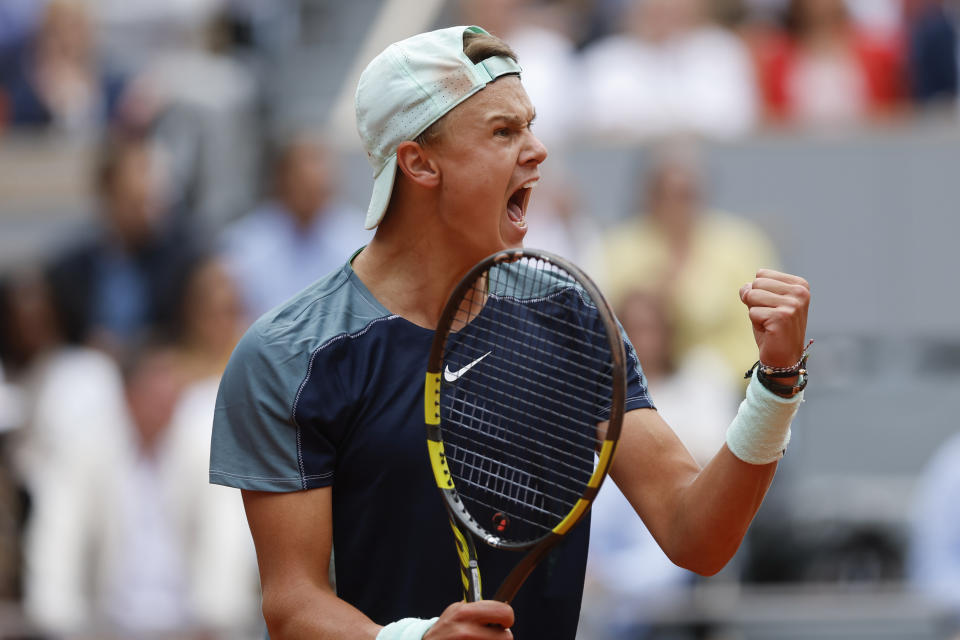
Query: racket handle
472,580
469,569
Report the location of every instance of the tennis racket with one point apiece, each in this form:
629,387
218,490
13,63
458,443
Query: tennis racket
524,400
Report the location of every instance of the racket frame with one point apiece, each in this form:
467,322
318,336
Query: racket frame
457,511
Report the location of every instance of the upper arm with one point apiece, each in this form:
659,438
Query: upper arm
293,534
652,467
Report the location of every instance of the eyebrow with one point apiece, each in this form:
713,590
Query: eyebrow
512,119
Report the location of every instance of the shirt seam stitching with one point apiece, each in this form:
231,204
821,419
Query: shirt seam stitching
306,378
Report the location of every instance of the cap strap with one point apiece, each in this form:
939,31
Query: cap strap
496,66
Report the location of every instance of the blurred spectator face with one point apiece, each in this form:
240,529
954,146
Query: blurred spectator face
304,181
644,318
212,308
674,196
152,390
65,33
130,192
662,20
813,15
31,320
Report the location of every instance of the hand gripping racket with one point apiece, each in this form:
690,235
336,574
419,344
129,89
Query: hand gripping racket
524,399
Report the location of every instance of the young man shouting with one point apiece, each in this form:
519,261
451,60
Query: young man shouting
320,418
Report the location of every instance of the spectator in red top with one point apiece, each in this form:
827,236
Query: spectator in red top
824,71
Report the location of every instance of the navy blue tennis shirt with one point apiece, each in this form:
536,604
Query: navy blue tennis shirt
327,390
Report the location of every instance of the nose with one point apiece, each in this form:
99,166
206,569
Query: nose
535,152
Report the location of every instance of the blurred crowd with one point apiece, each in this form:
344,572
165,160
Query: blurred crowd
640,68
210,210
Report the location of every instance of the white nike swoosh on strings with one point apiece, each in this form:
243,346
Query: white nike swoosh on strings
452,376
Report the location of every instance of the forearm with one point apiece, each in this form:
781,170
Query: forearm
715,510
314,612
700,516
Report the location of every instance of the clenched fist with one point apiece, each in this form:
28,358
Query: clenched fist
778,304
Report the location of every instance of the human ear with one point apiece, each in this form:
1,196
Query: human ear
417,164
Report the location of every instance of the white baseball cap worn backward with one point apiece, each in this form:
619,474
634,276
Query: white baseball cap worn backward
409,86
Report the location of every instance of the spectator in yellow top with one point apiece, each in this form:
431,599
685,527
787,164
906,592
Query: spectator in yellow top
689,255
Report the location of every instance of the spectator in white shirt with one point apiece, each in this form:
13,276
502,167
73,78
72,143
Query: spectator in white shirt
669,71
298,235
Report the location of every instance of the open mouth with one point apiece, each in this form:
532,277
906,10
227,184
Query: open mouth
517,204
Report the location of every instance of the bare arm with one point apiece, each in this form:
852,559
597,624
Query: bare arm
293,534
699,517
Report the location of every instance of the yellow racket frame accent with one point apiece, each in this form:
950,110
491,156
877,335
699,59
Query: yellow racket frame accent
572,517
606,456
431,399
467,566
438,460
599,473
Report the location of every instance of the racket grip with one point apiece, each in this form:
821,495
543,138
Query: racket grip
469,569
474,592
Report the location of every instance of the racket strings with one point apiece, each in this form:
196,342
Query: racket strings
546,387
540,526
578,469
484,427
597,368
500,481
477,420
503,481
568,287
571,333
555,432
521,348
539,383
550,385
508,481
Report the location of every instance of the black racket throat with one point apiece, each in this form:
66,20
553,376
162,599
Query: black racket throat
526,363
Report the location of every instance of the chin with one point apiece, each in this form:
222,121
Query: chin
511,236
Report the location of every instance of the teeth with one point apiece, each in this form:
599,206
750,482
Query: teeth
530,184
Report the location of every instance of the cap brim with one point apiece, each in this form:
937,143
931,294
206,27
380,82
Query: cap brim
382,190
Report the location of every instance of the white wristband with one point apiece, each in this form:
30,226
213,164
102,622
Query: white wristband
406,629
761,431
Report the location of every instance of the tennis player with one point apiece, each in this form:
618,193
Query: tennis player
319,417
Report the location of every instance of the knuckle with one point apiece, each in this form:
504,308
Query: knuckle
786,311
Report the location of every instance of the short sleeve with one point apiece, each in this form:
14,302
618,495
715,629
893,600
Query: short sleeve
257,442
638,396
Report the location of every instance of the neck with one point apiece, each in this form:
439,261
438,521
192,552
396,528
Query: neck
410,268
